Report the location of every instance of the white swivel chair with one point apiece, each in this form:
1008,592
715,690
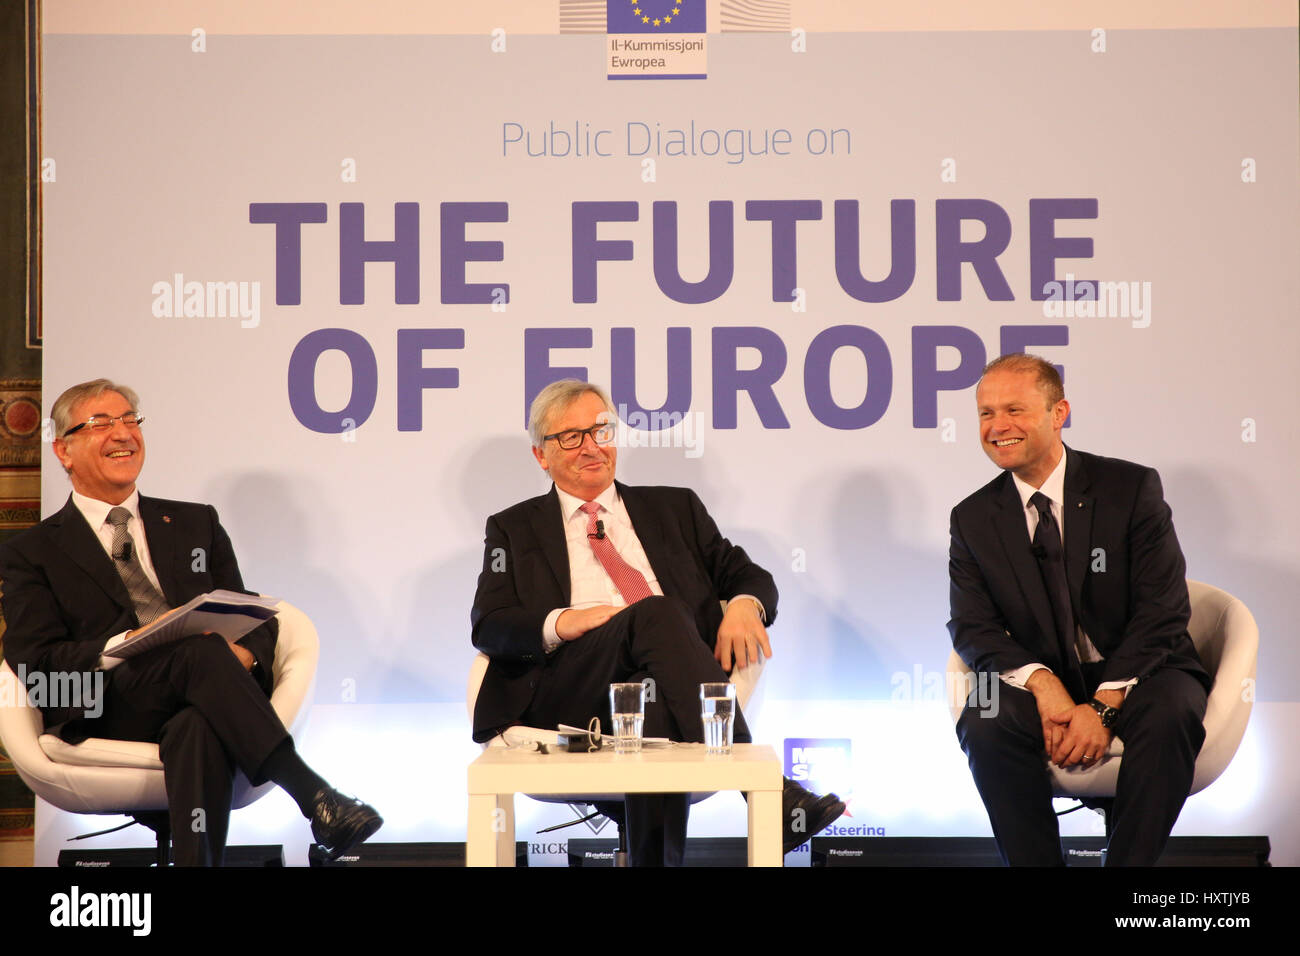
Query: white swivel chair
1227,640
126,776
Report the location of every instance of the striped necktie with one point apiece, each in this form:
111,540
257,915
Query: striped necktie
630,582
149,604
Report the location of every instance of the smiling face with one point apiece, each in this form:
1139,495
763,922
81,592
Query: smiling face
1019,429
102,464
587,470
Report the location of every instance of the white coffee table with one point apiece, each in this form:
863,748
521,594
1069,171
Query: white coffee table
498,774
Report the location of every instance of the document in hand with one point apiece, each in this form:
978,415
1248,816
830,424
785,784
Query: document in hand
228,613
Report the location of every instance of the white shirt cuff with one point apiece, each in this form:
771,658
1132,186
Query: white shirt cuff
550,639
1123,685
1020,676
108,663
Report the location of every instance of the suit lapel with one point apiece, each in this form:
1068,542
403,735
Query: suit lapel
160,533
1012,530
74,536
1078,510
548,526
648,526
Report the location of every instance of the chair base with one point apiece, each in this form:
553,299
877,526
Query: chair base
161,825
611,812
156,820
1102,805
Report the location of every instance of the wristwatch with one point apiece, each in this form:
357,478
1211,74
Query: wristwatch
1108,715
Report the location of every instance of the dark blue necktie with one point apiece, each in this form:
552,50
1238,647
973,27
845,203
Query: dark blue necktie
1051,562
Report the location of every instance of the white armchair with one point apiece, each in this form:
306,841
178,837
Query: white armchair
126,776
1227,640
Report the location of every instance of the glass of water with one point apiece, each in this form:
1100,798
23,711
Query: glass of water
627,708
718,713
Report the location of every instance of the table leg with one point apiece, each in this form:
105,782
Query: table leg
504,813
765,828
490,833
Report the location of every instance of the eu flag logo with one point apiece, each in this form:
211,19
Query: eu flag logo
656,16
656,39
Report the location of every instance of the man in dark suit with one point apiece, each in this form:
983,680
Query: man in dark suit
1068,584
597,582
113,560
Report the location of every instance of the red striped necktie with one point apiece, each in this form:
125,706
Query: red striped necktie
630,582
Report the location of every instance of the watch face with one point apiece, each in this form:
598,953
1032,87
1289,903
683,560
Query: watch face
1107,714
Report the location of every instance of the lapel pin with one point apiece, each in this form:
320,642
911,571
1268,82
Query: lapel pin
167,519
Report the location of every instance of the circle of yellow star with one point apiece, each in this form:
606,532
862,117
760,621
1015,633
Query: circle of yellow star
664,20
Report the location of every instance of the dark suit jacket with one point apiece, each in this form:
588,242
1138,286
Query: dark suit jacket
1126,572
525,576
63,598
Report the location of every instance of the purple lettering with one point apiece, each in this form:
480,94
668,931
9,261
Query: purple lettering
288,218
1045,247
622,346
302,380
588,250
355,251
817,376
456,250
729,378
951,252
721,254
784,215
413,377
538,371
928,380
902,263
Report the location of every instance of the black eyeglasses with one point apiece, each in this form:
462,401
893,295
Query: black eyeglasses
102,423
573,438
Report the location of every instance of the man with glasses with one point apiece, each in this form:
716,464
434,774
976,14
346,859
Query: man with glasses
597,582
112,561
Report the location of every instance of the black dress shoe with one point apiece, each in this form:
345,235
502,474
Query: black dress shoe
818,813
339,823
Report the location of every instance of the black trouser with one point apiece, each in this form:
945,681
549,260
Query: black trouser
654,638
208,716
1161,724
